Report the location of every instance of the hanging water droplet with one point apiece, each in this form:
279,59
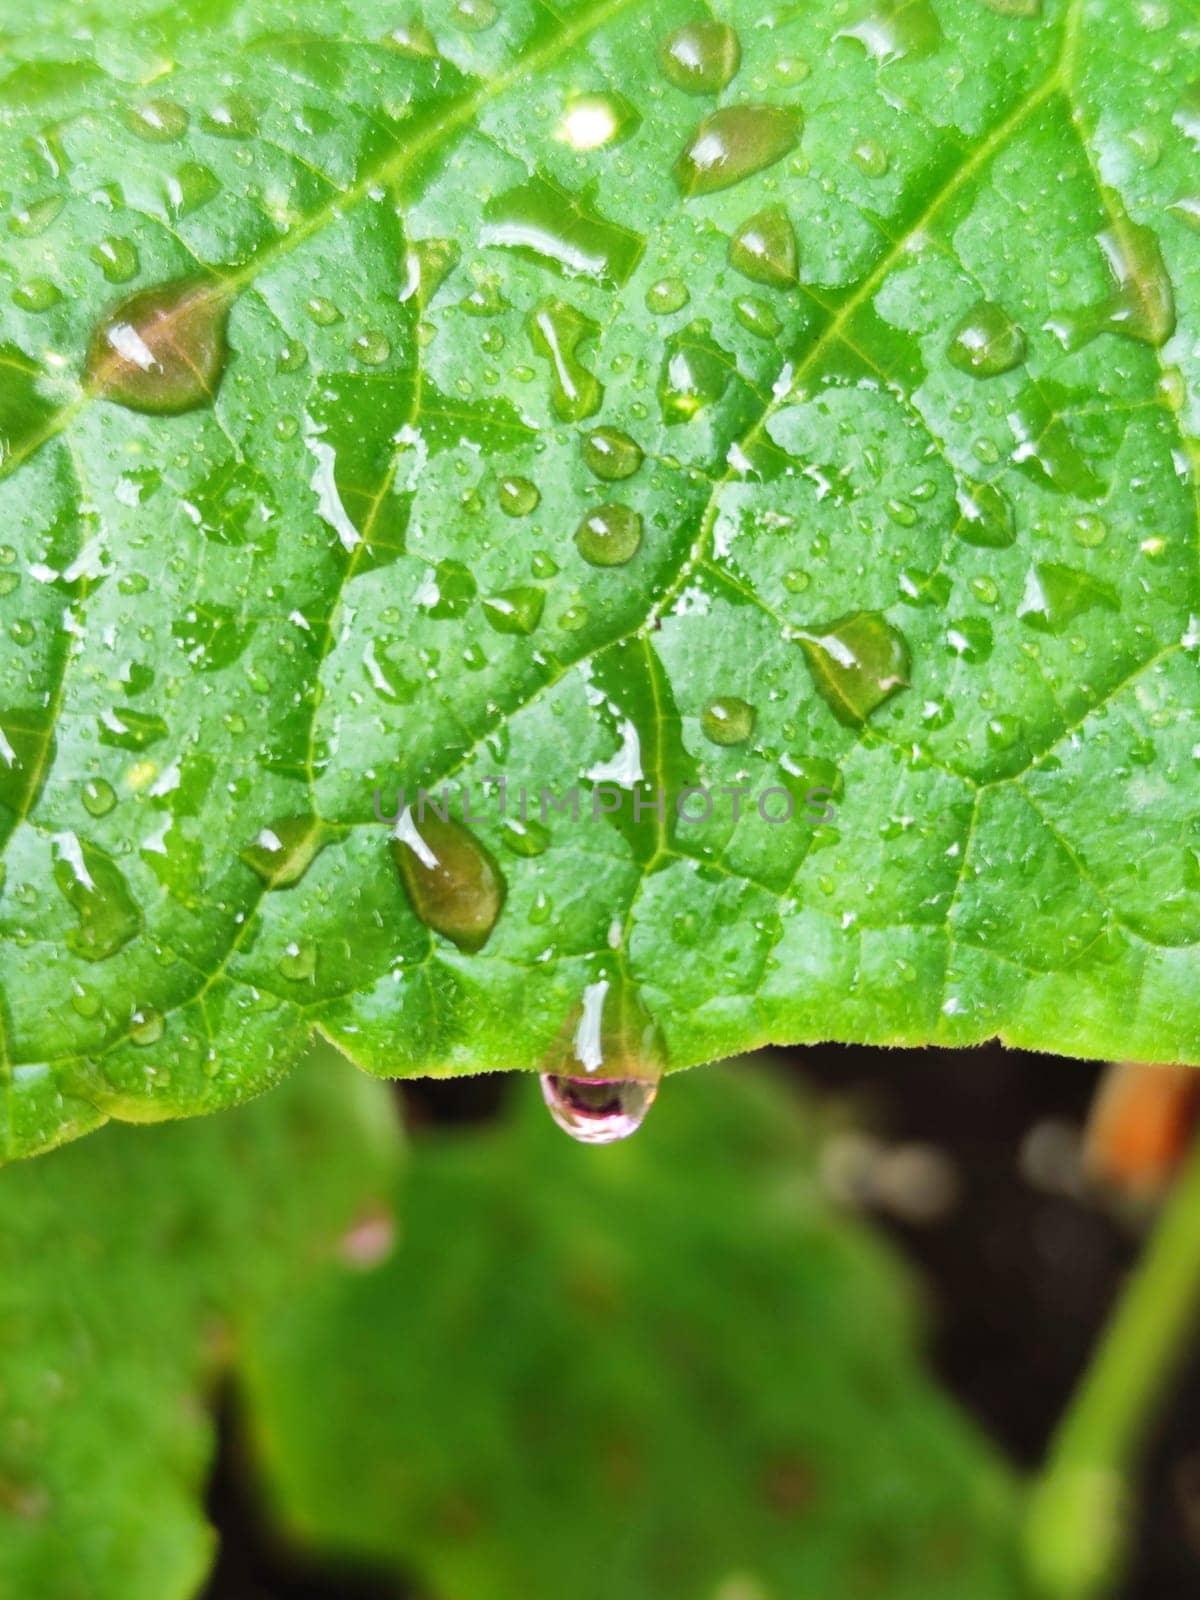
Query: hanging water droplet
161,351
986,342
889,30
556,330
452,881
283,851
515,610
733,143
857,663
518,496
701,57
611,454
96,891
764,249
601,1076
666,296
609,536
728,720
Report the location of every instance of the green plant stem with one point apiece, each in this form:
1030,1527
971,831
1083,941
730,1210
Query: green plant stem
1079,1515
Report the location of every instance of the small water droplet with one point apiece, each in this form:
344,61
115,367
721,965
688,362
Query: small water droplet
733,143
611,454
37,294
99,797
525,838
452,881
985,516
666,296
701,57
161,351
233,117
36,217
475,15
986,342
158,121
117,259
1089,531
728,720
371,348
412,38
322,311
518,496
609,536
600,1078
764,249
516,610
146,1026
871,158
298,963
757,317
283,851
857,663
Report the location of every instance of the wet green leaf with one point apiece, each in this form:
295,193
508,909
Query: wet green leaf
132,1269
668,1369
384,405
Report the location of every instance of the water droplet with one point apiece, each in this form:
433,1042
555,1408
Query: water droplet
871,158
757,317
96,891
666,296
728,720
36,217
298,963
764,249
515,610
701,57
601,1076
889,30
158,121
591,121
427,265
556,229
38,294
191,187
971,639
1015,8
695,373
525,838
733,143
1188,210
283,851
1003,731
857,663
985,516
453,883
234,117
609,536
556,331
322,311
475,15
163,350
371,348
987,342
611,454
99,797
518,497
1055,595
117,259
1089,531
1142,304
412,38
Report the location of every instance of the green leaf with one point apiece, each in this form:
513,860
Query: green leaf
668,1370
398,399
131,1269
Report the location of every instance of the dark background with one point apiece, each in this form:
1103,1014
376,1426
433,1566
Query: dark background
1019,1277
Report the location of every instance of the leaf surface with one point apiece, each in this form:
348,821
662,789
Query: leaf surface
611,399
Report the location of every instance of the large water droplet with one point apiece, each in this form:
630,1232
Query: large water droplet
857,663
609,536
518,496
733,143
1055,595
553,227
695,373
163,350
889,30
117,259
452,881
283,851
764,249
515,610
601,1077
611,454
1142,304
987,342
96,891
728,720
158,121
427,264
556,330
986,518
701,57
